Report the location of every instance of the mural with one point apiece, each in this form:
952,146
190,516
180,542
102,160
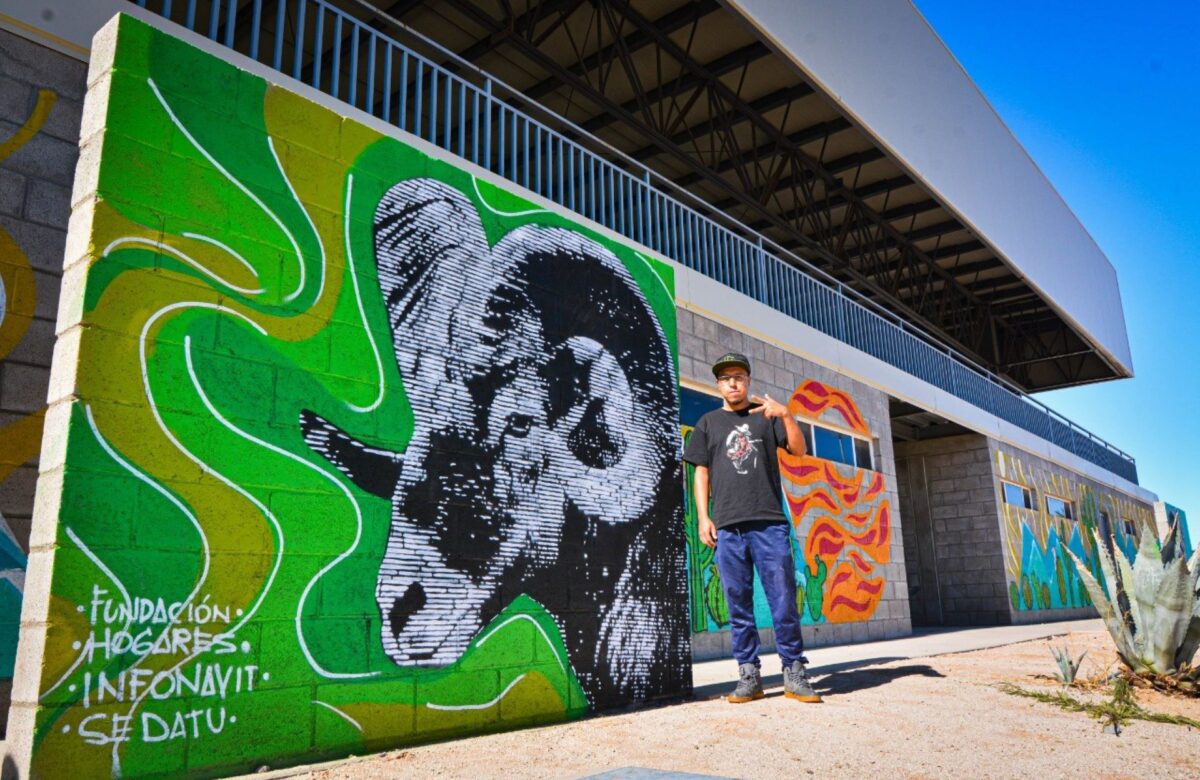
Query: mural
279,538
842,522
1040,574
20,437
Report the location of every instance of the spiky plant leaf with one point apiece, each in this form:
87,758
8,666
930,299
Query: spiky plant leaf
1127,577
1191,640
1117,626
1147,574
1168,622
1115,584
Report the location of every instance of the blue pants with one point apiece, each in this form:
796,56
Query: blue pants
765,546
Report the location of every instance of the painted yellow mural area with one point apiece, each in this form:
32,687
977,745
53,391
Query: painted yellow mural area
1045,513
340,470
20,437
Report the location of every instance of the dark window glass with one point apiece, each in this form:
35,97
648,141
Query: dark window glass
693,405
862,454
1058,508
807,430
1016,495
835,446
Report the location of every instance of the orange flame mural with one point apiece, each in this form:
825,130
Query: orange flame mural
840,513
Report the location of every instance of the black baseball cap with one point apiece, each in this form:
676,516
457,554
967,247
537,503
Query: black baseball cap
731,359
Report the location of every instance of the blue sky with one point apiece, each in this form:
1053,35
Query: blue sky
1106,98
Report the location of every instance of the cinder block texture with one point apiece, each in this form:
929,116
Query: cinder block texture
40,96
952,541
846,520
1051,508
348,448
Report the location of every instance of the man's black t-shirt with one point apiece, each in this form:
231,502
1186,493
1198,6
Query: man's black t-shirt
743,469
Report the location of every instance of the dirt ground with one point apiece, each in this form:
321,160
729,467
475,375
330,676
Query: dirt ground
931,717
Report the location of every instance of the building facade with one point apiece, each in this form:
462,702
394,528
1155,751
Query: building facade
353,387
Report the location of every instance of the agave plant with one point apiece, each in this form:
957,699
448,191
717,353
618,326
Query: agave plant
1068,666
1151,607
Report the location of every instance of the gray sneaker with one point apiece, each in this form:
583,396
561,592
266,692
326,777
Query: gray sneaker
749,685
796,684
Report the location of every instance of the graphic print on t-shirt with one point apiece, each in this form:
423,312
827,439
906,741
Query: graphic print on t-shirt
740,448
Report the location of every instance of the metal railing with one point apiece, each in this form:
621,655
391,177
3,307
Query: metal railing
455,106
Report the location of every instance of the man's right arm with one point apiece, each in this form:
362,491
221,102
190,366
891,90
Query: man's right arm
708,530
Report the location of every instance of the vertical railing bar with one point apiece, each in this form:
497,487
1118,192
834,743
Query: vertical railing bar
277,58
255,26
353,91
537,159
214,18
298,49
448,113
319,50
475,131
418,103
462,121
335,67
433,103
387,82
402,108
191,19
369,103
487,125
230,21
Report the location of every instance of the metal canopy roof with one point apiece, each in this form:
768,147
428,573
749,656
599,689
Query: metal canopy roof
693,91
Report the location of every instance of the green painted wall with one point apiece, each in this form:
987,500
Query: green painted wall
335,455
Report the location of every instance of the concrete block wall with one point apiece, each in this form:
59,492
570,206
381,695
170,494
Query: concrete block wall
950,504
778,372
41,93
260,286
1055,592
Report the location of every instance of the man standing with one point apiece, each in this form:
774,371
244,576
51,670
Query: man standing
734,451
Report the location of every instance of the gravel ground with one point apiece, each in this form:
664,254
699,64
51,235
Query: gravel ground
929,717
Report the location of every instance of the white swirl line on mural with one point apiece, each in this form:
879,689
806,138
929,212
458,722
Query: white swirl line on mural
482,706
257,201
537,625
346,717
358,299
128,605
166,494
182,256
188,454
191,369
494,210
230,250
248,613
304,211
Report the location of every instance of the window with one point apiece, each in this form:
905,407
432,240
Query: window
1130,528
1106,528
1017,496
820,441
839,447
693,404
862,454
1057,507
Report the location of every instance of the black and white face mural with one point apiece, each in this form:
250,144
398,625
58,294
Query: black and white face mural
544,453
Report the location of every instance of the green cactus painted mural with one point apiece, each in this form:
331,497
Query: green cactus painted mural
1036,542
334,468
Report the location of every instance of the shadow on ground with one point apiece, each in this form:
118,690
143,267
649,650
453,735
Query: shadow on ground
861,679
836,678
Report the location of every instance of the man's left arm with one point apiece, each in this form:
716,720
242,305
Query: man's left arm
772,409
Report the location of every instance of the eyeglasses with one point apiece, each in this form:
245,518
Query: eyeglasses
733,379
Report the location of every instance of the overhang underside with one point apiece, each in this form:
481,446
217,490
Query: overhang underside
689,90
